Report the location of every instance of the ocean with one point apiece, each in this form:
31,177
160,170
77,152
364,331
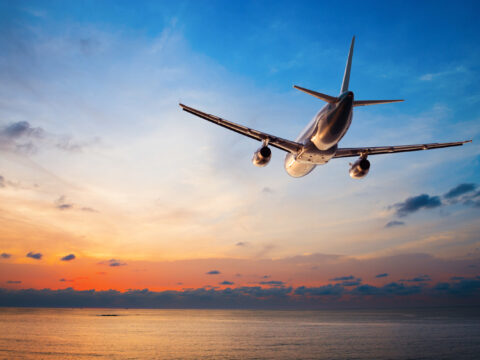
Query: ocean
37,333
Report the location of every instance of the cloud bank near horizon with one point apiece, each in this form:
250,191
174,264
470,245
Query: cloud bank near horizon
459,291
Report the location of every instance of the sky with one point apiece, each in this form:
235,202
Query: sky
109,191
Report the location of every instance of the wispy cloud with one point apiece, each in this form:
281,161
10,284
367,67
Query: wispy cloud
442,74
420,278
326,290
343,278
113,263
394,223
116,263
22,137
272,283
62,204
347,280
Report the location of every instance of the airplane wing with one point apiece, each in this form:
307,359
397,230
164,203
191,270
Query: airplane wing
279,143
349,152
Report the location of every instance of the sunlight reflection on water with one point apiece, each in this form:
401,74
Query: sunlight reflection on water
238,334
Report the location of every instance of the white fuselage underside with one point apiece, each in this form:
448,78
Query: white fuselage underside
321,136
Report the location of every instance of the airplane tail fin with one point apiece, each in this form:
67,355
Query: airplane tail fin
346,75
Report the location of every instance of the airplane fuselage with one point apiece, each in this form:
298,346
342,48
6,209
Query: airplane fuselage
321,136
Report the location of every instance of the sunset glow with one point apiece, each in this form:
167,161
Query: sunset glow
99,166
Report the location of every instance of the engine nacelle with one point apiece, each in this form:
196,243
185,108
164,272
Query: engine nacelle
359,168
262,156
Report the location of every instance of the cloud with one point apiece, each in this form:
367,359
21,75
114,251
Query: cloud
450,72
392,289
343,278
241,243
471,199
226,283
416,203
463,288
394,223
68,257
461,193
420,278
65,280
355,282
464,291
347,280
265,250
381,275
213,272
113,263
272,283
460,190
20,137
5,256
20,129
62,204
267,190
36,256
2,181
24,138
326,290
14,282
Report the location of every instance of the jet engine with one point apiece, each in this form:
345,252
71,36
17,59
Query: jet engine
359,168
262,156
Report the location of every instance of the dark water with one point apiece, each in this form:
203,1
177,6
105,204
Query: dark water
239,334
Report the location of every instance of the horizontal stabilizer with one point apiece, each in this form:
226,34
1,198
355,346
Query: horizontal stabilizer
373,102
324,97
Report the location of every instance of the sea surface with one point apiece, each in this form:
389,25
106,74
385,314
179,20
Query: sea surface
239,334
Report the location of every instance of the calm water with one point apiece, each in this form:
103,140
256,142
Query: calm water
238,334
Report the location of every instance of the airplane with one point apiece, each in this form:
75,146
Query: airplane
317,144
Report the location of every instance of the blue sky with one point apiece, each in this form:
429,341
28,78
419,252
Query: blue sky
97,159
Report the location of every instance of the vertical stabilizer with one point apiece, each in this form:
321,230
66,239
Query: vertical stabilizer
346,76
